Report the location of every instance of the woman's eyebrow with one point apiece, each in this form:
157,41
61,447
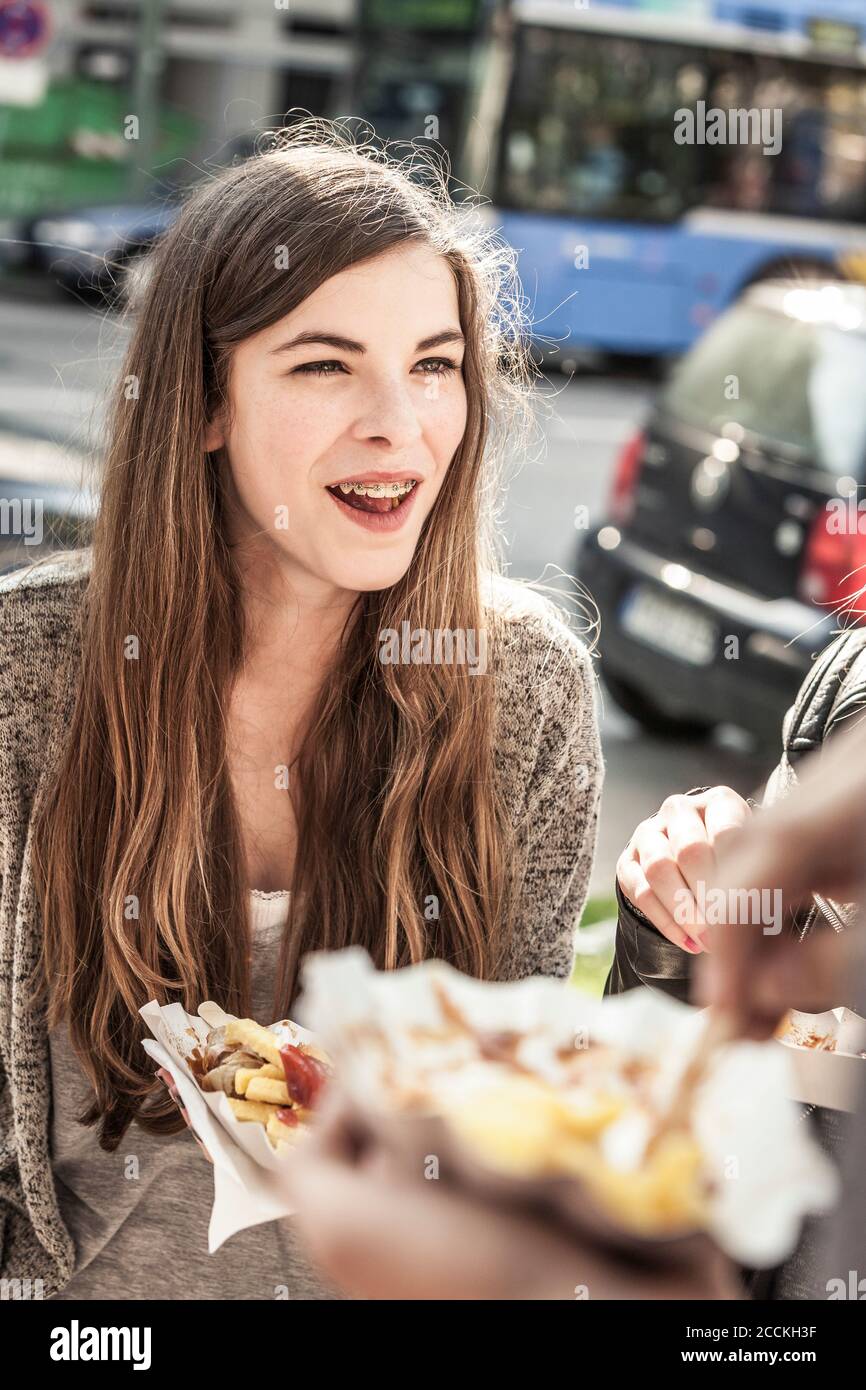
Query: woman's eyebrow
334,340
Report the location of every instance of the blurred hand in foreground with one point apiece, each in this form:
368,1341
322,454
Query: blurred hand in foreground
381,1231
813,841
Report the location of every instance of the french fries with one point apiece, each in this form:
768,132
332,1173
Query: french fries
524,1127
538,1113
252,1110
269,1090
252,1037
284,1083
244,1075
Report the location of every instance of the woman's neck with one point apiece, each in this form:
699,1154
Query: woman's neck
292,632
293,622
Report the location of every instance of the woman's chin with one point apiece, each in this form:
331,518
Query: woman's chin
368,563
367,574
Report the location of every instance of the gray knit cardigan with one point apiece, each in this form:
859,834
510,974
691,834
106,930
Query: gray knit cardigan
547,754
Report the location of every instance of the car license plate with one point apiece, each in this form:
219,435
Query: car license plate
651,617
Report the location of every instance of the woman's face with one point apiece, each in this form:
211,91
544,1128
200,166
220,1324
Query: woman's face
360,386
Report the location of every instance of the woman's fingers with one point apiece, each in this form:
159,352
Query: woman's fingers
671,860
784,974
633,883
697,827
659,864
165,1076
724,815
681,820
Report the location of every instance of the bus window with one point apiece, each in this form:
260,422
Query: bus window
589,122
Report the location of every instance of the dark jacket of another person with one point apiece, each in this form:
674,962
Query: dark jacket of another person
832,694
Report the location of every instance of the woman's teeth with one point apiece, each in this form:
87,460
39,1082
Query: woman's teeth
374,497
378,489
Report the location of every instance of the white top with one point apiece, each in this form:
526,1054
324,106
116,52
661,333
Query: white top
269,912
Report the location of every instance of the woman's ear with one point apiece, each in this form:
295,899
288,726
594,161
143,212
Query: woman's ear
214,435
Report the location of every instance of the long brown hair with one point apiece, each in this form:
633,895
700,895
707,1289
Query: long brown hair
137,860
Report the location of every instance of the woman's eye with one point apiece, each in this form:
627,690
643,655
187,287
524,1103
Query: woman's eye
431,366
320,368
438,366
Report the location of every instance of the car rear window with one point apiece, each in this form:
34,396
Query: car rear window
797,384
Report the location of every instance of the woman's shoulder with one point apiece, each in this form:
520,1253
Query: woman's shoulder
538,652
39,605
546,720
48,587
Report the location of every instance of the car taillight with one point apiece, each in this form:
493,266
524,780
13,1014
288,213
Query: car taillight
622,496
833,570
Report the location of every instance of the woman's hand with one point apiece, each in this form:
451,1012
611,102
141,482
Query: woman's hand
165,1075
671,860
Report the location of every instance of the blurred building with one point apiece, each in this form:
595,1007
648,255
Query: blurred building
229,65
200,75
196,73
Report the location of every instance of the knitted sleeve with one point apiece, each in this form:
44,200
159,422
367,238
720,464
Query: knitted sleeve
551,704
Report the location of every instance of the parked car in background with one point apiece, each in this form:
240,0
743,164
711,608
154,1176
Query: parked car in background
99,247
736,541
95,249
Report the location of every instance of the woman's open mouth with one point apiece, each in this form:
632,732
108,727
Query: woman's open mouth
376,506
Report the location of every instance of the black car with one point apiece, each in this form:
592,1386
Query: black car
738,516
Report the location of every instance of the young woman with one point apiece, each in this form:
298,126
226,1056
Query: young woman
235,730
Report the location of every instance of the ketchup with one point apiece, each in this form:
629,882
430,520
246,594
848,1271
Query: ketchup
305,1075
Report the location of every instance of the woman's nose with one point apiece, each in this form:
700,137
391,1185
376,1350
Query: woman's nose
390,414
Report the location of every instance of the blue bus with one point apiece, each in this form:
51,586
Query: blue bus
650,158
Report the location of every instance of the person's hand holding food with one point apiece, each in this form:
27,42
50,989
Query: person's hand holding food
673,856
165,1075
812,841
381,1230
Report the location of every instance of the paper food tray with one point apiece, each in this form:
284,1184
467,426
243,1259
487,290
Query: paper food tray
248,1181
767,1170
828,1056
